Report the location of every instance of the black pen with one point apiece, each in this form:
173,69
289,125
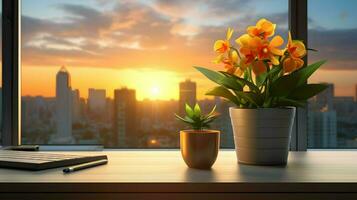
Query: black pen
85,166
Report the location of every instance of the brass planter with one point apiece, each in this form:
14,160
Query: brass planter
199,149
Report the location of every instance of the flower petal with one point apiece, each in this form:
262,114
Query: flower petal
220,46
234,56
218,59
238,72
229,33
299,63
300,50
289,65
243,40
274,60
276,51
276,41
261,22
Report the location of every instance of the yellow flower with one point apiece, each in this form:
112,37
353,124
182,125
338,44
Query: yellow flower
269,50
252,47
290,64
296,50
263,29
222,46
230,63
248,48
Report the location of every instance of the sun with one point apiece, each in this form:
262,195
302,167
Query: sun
155,91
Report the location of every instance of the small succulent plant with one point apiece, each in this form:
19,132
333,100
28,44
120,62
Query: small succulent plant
196,119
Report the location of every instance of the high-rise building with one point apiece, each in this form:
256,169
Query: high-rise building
187,95
124,117
63,108
76,106
322,126
322,120
344,106
224,122
96,101
325,99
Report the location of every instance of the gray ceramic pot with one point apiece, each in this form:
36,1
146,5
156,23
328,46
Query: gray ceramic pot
262,136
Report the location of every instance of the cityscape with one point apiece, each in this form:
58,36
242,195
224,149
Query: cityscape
121,122
125,122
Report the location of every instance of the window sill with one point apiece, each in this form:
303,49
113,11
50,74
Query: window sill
138,171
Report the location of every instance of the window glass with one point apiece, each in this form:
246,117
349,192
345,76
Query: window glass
332,30
114,72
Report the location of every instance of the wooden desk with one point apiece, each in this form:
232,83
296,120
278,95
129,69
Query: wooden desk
163,175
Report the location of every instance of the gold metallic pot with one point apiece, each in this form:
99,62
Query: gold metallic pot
199,148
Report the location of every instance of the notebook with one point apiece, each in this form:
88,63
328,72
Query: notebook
40,160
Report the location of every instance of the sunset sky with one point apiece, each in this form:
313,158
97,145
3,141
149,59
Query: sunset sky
151,45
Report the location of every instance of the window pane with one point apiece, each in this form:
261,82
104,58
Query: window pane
115,72
332,114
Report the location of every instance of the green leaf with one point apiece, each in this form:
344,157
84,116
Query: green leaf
260,79
220,79
189,111
197,111
250,97
212,111
304,73
223,92
211,75
284,85
189,120
310,49
208,120
179,118
186,119
289,102
251,85
274,72
307,91
242,82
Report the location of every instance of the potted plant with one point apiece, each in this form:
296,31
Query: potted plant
266,83
199,146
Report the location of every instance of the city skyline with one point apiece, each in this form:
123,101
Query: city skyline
124,121
155,90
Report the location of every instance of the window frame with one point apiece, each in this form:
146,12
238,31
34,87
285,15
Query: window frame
11,54
11,73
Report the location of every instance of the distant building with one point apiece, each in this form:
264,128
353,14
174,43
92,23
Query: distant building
224,123
187,95
322,126
63,108
76,106
325,98
109,106
344,105
322,120
97,101
124,117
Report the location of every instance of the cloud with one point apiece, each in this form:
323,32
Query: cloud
172,35
337,46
